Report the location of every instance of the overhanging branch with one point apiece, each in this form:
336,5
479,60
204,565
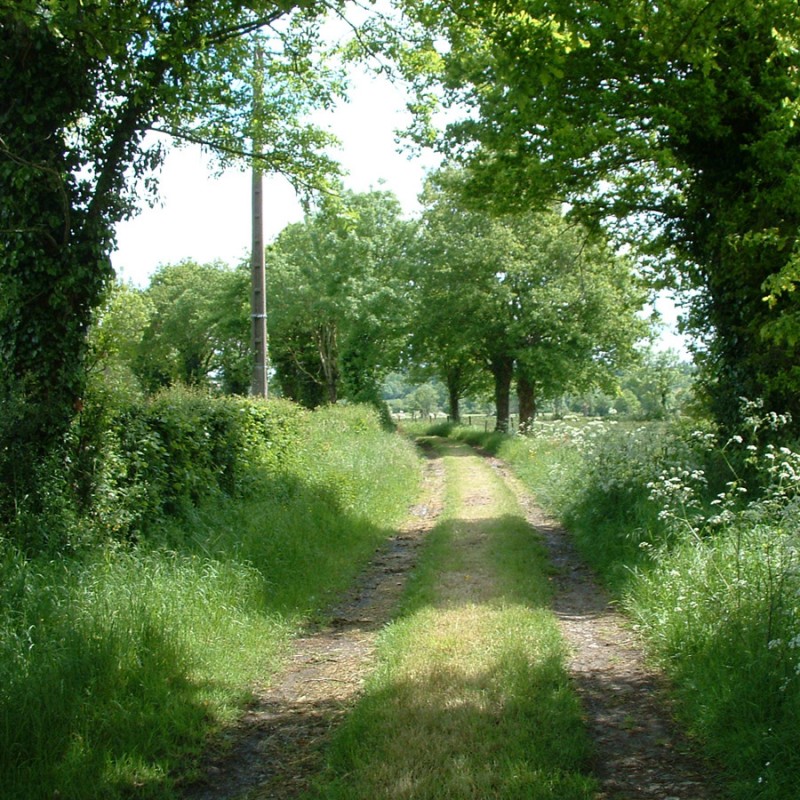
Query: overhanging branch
244,153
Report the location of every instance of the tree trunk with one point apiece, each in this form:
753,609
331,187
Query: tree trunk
502,369
56,239
526,393
453,394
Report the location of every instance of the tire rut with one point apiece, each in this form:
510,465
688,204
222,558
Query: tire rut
640,752
278,746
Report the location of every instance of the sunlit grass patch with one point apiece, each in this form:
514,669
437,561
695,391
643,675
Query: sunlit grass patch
471,702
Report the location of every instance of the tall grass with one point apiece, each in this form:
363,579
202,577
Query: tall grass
118,663
699,538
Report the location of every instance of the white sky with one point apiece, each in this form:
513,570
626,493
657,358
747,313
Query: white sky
206,218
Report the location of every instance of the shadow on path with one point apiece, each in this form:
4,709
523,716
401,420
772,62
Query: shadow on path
278,746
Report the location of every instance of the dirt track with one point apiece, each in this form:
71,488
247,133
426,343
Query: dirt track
640,754
279,746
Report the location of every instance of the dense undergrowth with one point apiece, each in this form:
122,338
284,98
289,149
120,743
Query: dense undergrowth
699,538
134,621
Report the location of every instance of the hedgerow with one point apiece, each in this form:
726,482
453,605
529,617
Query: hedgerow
134,623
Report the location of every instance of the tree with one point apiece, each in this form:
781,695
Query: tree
114,342
448,322
673,124
660,383
198,331
339,288
424,399
525,295
80,85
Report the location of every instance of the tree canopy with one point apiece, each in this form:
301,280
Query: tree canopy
523,294
338,283
672,124
197,332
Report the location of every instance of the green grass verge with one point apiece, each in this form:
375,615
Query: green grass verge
117,666
471,699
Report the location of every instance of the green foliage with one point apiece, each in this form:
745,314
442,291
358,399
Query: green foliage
127,467
114,344
672,125
80,85
424,399
657,388
182,446
189,326
117,664
339,298
199,328
524,293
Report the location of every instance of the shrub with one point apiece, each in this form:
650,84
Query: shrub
158,457
721,609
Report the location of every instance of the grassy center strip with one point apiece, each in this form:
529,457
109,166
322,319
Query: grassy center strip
471,699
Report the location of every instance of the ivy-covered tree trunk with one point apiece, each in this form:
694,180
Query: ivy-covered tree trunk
80,85
502,368
55,257
741,225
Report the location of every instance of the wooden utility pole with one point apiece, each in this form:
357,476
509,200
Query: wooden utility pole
259,292
258,267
